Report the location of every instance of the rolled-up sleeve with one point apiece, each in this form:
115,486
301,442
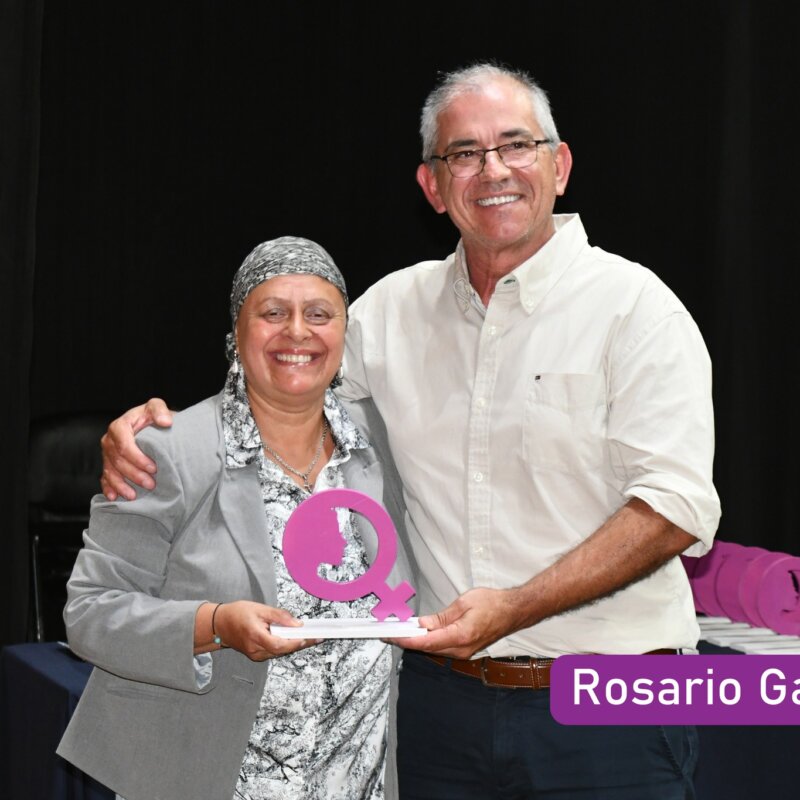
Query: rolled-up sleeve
661,424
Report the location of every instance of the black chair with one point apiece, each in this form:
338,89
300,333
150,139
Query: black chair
64,468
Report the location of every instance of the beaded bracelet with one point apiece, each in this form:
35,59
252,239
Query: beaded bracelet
217,639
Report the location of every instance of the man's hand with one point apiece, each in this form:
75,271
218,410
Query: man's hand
474,621
122,458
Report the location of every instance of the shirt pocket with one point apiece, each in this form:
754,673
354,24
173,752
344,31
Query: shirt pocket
565,421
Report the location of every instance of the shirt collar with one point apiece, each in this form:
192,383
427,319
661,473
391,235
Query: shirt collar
465,294
348,435
536,276
243,441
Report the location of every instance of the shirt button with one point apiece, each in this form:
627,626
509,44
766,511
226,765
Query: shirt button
492,330
481,402
477,477
477,550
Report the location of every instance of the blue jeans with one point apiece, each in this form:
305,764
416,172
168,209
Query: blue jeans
461,740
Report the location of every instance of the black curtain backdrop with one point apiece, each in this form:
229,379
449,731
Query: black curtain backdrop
20,57
175,137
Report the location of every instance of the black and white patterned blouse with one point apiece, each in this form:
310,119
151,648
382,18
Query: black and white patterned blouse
320,729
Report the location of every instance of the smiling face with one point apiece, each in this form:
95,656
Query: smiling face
290,337
504,214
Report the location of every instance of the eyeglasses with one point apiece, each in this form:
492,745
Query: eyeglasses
517,154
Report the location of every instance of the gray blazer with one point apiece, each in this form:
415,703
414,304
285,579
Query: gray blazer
143,727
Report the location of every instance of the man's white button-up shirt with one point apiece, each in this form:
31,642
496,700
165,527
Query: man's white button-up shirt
518,428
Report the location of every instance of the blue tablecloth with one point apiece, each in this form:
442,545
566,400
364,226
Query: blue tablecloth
40,685
740,763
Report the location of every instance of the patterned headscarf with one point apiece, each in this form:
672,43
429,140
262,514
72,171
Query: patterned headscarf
288,255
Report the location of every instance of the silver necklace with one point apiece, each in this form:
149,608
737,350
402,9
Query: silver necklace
302,475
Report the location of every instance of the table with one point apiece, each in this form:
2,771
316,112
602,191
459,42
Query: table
740,763
40,685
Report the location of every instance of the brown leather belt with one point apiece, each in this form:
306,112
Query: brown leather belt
522,672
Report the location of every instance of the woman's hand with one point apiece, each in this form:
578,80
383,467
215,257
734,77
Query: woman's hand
244,626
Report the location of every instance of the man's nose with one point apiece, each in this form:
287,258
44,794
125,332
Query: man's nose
493,165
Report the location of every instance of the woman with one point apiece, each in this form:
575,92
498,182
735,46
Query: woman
173,593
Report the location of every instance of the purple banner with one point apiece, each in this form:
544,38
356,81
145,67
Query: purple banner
676,690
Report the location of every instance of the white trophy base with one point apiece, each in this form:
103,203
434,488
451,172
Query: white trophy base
365,628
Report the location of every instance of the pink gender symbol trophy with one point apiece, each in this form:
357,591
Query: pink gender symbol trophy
312,537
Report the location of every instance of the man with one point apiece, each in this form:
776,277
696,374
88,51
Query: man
548,407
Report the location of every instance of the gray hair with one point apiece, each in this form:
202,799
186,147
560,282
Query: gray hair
472,79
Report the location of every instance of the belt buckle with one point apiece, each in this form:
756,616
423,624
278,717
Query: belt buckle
535,665
486,682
